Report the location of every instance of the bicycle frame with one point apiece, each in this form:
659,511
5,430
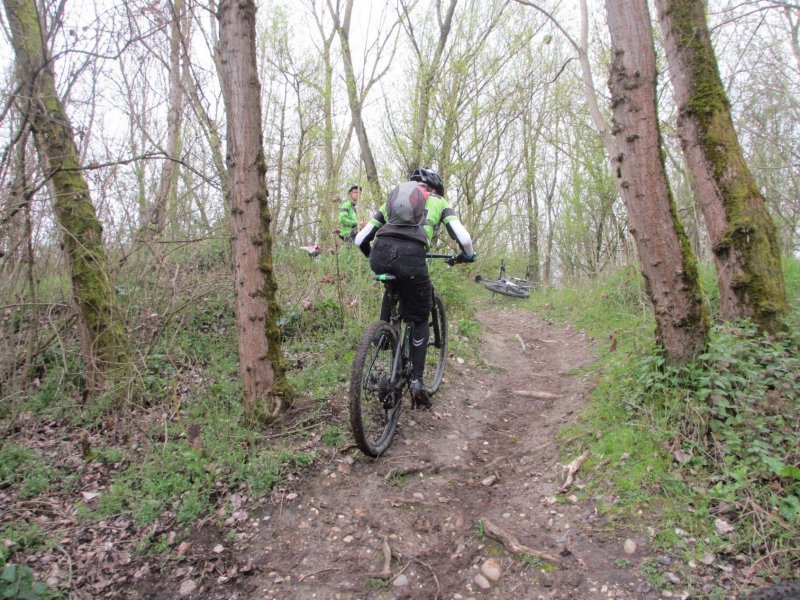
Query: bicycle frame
382,368
401,358
401,361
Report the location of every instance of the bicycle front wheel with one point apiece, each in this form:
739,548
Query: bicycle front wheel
437,346
374,401
501,287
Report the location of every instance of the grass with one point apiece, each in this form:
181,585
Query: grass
682,448
731,417
192,445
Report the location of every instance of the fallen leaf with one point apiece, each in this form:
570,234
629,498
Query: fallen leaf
722,526
681,456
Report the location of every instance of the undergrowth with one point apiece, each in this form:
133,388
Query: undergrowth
680,453
177,455
703,459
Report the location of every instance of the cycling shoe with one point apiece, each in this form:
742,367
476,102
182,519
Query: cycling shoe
419,395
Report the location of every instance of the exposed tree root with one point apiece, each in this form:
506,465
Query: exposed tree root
571,469
512,544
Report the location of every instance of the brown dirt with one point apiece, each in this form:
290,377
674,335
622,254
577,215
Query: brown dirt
430,498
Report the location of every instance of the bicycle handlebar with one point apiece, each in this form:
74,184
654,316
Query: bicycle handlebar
450,259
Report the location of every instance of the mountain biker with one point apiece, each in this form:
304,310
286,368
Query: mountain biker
402,229
348,220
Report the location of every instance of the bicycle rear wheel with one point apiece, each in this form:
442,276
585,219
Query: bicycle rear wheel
374,404
437,346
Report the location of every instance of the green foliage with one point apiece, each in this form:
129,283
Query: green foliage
333,436
324,315
26,470
469,328
16,581
22,536
480,531
622,563
14,460
183,480
718,436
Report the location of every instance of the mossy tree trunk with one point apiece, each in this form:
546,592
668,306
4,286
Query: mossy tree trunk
103,341
667,262
266,390
743,236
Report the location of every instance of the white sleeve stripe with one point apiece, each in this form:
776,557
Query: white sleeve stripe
462,236
362,235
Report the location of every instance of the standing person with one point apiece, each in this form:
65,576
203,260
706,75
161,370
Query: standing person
348,220
402,229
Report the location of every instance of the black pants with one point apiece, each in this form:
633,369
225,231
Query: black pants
405,259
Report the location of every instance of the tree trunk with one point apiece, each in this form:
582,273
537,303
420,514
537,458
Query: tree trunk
211,129
277,204
530,143
668,266
425,86
743,236
356,103
169,169
260,361
102,336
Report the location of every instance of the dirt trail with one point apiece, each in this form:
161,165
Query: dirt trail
427,496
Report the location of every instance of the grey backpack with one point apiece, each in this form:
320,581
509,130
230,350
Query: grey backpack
406,205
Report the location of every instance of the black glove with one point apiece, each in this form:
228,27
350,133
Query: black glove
463,258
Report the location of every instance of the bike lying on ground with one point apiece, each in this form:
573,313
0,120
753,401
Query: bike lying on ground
508,286
382,369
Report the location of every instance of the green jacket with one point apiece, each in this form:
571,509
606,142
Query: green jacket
347,216
437,212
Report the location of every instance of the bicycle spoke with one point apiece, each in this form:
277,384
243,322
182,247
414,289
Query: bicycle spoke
374,409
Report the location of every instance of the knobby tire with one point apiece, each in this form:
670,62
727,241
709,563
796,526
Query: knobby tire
500,287
374,406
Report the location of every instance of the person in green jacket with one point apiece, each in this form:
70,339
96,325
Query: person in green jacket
348,220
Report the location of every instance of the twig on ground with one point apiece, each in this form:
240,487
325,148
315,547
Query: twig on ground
317,573
521,343
386,572
433,573
536,394
571,469
512,544
502,459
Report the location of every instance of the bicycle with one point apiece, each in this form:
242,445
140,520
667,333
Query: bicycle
508,286
382,369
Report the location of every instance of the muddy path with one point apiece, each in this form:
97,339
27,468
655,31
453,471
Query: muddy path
464,504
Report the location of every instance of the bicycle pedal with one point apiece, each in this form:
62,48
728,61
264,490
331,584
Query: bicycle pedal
421,404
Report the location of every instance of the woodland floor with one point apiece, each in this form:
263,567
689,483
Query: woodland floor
485,453
458,488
